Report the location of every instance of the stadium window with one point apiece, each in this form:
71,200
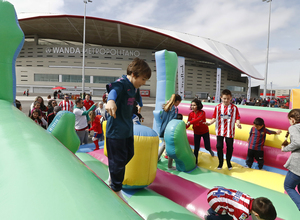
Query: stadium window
45,77
75,78
104,79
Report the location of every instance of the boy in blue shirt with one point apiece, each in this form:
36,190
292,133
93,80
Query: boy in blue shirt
119,128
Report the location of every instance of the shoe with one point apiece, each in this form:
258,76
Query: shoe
166,157
219,168
119,193
212,153
171,168
229,168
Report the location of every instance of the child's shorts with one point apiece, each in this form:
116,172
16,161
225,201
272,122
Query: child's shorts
97,135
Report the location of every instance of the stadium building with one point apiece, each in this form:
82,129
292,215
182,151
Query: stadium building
52,56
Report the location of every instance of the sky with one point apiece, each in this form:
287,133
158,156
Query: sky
242,24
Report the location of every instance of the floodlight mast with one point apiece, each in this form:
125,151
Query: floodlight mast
267,60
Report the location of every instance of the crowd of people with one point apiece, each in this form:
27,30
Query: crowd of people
264,102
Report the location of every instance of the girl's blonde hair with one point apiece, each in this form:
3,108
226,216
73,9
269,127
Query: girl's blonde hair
92,115
174,98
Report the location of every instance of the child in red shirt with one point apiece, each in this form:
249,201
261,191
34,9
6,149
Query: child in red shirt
197,118
96,127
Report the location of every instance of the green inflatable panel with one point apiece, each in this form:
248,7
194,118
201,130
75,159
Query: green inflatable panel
41,179
62,127
12,39
149,204
178,147
171,69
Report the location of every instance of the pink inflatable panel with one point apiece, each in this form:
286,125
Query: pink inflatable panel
273,156
273,119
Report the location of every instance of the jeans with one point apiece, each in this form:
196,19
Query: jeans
119,152
215,216
291,181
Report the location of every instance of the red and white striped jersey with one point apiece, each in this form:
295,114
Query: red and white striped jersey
225,119
229,201
66,105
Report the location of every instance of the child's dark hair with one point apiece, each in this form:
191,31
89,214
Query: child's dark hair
39,113
226,92
264,208
18,104
78,100
259,121
198,103
139,68
179,117
295,114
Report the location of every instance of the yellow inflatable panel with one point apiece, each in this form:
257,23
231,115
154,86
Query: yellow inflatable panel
141,169
258,177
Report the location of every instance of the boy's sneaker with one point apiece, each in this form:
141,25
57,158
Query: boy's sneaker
171,168
166,157
229,168
219,168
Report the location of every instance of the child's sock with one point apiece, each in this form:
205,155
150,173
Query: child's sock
97,144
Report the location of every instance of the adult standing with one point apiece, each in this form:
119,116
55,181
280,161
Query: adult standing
88,102
55,94
66,104
81,120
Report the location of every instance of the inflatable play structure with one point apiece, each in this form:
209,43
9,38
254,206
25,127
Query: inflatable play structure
188,189
42,178
294,98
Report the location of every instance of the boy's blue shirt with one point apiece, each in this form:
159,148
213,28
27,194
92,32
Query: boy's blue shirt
122,126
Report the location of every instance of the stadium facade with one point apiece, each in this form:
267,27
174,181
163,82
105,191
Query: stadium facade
52,56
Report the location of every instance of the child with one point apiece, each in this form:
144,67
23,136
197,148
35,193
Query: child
197,118
37,106
232,204
225,116
119,128
169,112
37,118
256,141
292,178
96,127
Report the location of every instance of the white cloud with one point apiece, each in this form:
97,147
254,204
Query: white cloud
38,6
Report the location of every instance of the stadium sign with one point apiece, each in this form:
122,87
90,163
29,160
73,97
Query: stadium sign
93,51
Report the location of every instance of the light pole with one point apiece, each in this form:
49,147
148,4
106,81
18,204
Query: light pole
83,47
266,73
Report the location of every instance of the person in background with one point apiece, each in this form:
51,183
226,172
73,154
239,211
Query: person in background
101,111
18,105
88,102
96,127
53,103
38,119
81,120
66,104
52,115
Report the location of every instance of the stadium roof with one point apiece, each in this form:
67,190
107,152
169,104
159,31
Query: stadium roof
106,32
